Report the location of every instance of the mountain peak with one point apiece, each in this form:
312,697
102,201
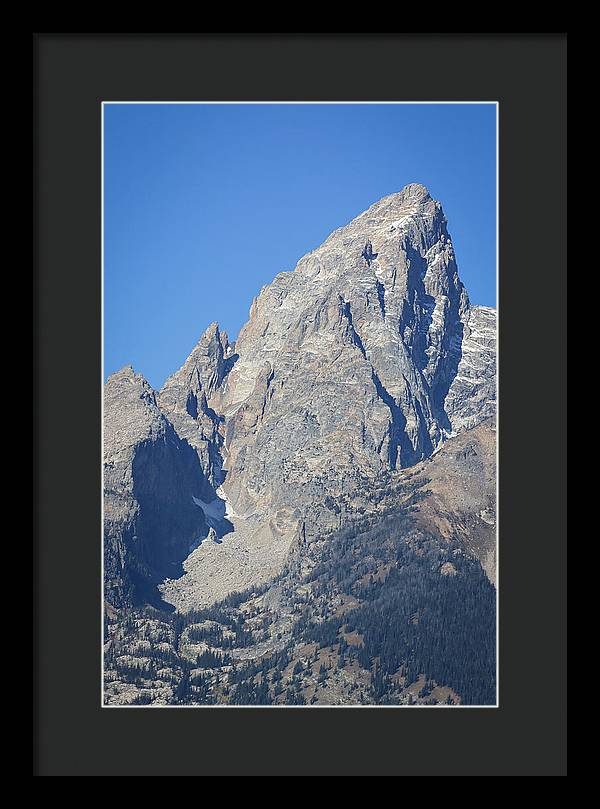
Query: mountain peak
411,195
129,376
349,366
415,191
211,331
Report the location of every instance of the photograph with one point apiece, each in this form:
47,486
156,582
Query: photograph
300,405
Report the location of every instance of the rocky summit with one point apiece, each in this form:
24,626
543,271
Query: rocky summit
363,385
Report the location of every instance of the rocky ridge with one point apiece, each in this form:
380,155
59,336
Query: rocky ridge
358,364
150,477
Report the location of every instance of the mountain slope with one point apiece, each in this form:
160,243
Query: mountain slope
459,488
393,608
356,365
311,512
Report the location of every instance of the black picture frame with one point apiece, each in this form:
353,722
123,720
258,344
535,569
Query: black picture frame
526,74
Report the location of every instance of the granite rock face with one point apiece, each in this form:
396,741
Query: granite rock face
184,400
345,364
358,364
150,478
472,395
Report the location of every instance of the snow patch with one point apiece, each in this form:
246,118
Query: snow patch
214,511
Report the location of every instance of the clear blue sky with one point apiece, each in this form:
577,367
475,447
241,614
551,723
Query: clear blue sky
204,204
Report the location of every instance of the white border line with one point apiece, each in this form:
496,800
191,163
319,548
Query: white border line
280,103
497,405
289,103
102,607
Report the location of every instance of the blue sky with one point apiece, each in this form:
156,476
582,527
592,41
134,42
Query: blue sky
204,204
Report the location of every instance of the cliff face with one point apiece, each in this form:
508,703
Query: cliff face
472,395
150,478
362,360
356,365
184,400
345,364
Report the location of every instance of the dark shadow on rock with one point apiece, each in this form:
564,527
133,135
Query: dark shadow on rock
440,392
225,527
165,473
229,363
147,594
399,442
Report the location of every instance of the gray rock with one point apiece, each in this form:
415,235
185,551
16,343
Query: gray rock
184,400
150,478
345,364
361,362
472,395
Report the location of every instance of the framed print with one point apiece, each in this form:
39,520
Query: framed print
286,379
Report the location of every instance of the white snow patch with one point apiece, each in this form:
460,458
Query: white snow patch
215,510
398,223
